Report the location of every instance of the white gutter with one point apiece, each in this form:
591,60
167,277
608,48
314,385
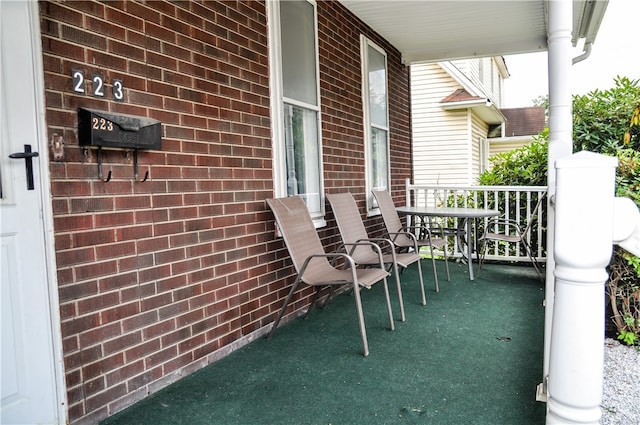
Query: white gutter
465,104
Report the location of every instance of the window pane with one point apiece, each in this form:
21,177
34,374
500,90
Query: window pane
298,51
302,155
377,88
379,170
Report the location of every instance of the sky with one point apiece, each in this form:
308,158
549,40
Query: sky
616,51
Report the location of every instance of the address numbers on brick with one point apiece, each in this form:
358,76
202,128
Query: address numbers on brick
97,85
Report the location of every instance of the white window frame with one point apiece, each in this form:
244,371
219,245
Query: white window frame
277,101
484,153
365,43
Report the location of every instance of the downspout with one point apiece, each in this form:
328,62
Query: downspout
560,145
583,56
576,276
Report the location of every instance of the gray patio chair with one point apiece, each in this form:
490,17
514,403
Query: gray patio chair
403,239
312,263
353,232
511,232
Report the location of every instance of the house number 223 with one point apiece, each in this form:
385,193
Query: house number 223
101,124
97,84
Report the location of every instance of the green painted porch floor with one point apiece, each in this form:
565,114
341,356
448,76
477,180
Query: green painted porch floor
472,355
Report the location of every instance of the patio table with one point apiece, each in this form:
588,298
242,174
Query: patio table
468,215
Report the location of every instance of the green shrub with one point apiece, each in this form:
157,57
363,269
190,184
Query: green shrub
607,122
525,166
601,119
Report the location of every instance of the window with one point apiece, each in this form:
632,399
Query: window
376,120
295,103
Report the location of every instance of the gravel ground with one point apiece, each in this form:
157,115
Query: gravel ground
621,395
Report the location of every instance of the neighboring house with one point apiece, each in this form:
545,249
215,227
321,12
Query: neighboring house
124,270
454,107
521,125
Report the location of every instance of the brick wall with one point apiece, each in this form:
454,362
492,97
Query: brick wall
157,278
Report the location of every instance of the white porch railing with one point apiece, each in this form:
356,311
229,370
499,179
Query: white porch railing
513,202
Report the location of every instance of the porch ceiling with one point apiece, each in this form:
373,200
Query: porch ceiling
437,30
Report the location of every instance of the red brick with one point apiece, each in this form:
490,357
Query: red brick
125,373
135,262
114,219
139,321
143,12
121,343
159,329
120,312
134,232
96,270
76,256
142,350
60,12
77,291
129,51
121,280
144,379
92,238
161,356
99,334
79,205
101,399
128,20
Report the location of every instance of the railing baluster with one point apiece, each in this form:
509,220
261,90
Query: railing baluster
487,197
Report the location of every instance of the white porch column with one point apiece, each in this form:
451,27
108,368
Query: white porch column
584,243
560,140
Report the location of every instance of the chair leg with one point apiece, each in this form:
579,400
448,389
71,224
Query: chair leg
397,275
481,253
388,299
316,295
363,331
329,296
534,262
284,306
424,298
435,272
446,263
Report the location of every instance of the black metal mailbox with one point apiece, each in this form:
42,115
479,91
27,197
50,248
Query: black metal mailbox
106,129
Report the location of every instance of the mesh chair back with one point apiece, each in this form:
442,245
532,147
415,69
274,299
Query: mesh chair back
296,227
350,224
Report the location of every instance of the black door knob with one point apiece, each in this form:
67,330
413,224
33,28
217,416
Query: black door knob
27,155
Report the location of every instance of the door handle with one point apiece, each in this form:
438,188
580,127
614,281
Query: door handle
27,155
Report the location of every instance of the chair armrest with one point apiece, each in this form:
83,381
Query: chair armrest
366,242
424,229
407,234
506,222
331,255
348,258
388,242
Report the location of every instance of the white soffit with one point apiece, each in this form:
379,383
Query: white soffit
435,30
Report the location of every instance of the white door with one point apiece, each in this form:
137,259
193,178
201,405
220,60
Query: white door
29,380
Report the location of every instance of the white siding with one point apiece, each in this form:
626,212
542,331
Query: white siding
479,131
446,144
440,138
484,74
507,144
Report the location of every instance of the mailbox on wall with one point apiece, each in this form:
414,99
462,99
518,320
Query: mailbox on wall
107,129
